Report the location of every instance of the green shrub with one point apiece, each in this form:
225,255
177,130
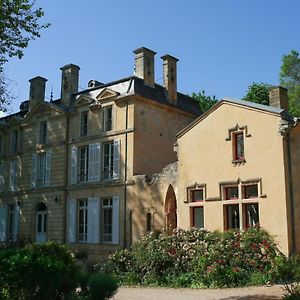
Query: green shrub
37,272
197,257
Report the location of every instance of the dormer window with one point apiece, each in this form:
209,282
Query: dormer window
43,132
238,146
83,123
107,118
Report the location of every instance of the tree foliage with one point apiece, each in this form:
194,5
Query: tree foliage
205,102
290,79
19,24
258,93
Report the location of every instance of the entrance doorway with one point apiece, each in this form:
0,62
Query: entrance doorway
41,223
170,210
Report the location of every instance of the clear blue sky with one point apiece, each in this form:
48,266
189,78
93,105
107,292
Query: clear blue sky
222,45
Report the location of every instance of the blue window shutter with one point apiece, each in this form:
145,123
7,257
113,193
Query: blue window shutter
3,222
48,168
34,170
116,220
72,217
116,162
16,222
97,162
93,235
73,164
91,162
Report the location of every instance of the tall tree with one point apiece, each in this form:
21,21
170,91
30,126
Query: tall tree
290,78
258,93
19,24
205,102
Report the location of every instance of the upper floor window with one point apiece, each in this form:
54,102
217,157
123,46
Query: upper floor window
108,160
43,132
13,173
83,123
238,146
41,169
14,141
83,163
82,230
107,118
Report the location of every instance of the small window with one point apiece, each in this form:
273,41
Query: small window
107,206
197,195
251,214
82,220
149,222
238,146
232,217
197,217
250,191
43,132
83,123
107,118
14,141
231,192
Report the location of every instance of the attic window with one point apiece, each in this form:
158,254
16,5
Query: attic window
238,146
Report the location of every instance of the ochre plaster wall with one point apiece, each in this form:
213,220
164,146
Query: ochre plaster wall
205,157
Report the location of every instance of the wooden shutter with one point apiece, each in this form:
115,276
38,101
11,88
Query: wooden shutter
91,162
48,168
12,175
72,217
116,220
116,162
16,222
1,176
97,162
93,235
73,164
3,222
34,170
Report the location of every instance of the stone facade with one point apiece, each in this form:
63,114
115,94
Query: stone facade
70,168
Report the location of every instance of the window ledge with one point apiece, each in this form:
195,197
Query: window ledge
239,161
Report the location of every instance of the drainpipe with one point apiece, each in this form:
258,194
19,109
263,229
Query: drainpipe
291,192
125,176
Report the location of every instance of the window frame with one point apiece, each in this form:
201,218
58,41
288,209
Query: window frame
15,141
107,118
43,132
245,193
235,145
246,214
83,164
107,168
107,208
192,215
226,194
82,237
41,173
226,216
83,129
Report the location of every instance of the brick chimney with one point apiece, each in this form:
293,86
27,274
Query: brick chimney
144,65
278,97
170,77
69,82
36,91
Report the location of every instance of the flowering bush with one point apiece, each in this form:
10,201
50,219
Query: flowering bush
197,257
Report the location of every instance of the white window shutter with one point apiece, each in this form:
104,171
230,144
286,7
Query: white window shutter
91,162
116,220
16,222
93,235
1,176
97,162
48,168
116,163
3,222
72,209
34,170
73,164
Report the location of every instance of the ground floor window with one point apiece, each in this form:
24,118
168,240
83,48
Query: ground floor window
82,220
251,215
232,216
107,204
197,217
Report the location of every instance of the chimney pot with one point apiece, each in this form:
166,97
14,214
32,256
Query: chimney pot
69,82
144,65
36,91
170,77
278,97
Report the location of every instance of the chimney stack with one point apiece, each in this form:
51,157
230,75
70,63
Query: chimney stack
144,65
278,97
170,77
69,82
36,91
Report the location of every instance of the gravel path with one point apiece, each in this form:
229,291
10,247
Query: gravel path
249,293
